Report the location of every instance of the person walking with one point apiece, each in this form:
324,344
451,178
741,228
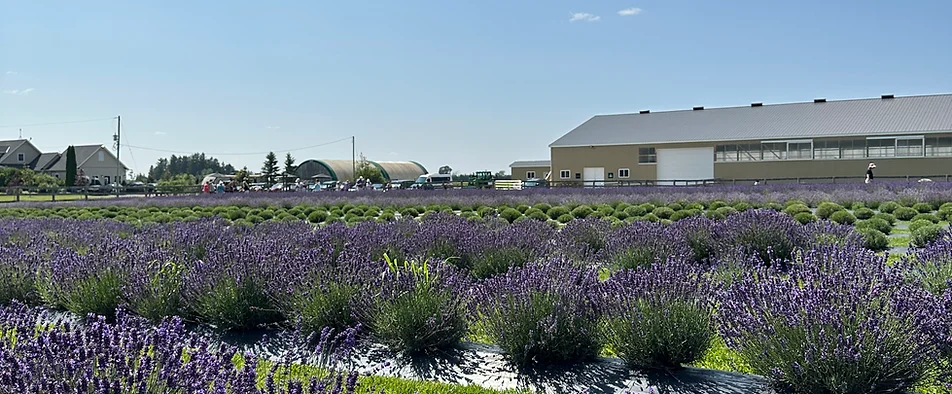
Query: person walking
869,172
206,188
221,187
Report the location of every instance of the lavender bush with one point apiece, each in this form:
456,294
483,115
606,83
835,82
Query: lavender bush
660,316
542,313
839,321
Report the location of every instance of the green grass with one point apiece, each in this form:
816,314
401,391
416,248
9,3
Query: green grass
47,197
898,242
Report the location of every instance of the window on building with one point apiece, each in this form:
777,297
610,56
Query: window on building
909,146
938,146
749,152
774,150
578,175
800,150
530,174
725,153
852,149
881,147
647,156
825,150
106,178
623,173
21,157
102,156
565,174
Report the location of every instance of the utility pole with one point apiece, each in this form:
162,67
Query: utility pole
353,157
118,163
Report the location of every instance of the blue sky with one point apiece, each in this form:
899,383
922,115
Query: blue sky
472,84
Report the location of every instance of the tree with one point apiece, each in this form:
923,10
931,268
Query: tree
289,167
197,165
70,166
369,171
501,174
446,170
270,167
241,175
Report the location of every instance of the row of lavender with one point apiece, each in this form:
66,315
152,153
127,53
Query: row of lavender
804,304
935,193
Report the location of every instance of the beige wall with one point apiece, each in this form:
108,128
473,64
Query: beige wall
612,158
520,172
29,154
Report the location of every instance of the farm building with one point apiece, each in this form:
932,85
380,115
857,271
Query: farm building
904,136
523,170
339,170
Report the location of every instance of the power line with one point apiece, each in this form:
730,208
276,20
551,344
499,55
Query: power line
55,123
239,154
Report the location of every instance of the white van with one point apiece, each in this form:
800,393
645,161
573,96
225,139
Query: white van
433,181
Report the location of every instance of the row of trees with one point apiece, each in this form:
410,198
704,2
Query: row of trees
197,165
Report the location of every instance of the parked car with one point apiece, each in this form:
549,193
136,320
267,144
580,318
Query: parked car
534,182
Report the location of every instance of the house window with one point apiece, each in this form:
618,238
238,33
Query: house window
565,174
774,150
800,150
853,149
881,147
20,157
611,175
623,173
909,146
826,150
725,153
530,174
578,175
939,146
647,156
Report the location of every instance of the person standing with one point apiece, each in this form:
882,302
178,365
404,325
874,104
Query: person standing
206,188
869,172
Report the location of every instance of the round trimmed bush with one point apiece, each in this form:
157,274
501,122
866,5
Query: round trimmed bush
565,218
888,206
873,239
923,207
636,210
510,214
922,236
917,224
742,206
804,217
675,206
794,209
877,224
582,211
926,216
684,213
538,215
888,217
726,211
716,204
905,213
864,213
843,217
663,212
558,211
826,209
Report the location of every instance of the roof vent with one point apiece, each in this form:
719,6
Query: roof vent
698,108
819,100
644,111
887,96
756,104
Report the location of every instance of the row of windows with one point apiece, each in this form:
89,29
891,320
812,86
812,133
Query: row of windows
566,174
875,147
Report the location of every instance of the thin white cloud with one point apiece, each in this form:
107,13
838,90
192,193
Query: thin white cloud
584,17
17,92
630,11
159,133
272,127
394,154
11,73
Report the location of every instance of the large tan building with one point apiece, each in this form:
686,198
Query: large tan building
905,136
530,169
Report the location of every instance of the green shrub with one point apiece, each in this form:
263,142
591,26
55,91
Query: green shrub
684,213
636,257
742,206
663,212
235,305
648,207
714,215
582,211
794,209
905,213
843,217
496,261
804,217
675,206
558,211
18,284
651,218
162,297
510,214
917,224
327,305
877,224
407,212
565,218
716,204
538,215
385,217
100,294
726,211
826,209
864,213
890,218
635,210
888,206
874,239
542,207
923,207
857,205
926,216
695,206
925,234
659,334
522,208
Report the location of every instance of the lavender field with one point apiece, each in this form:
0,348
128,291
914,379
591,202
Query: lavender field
794,286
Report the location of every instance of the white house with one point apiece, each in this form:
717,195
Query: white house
93,161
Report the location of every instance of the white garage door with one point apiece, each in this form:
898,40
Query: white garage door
685,164
594,174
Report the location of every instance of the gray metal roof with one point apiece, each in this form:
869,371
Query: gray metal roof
531,163
843,118
46,160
